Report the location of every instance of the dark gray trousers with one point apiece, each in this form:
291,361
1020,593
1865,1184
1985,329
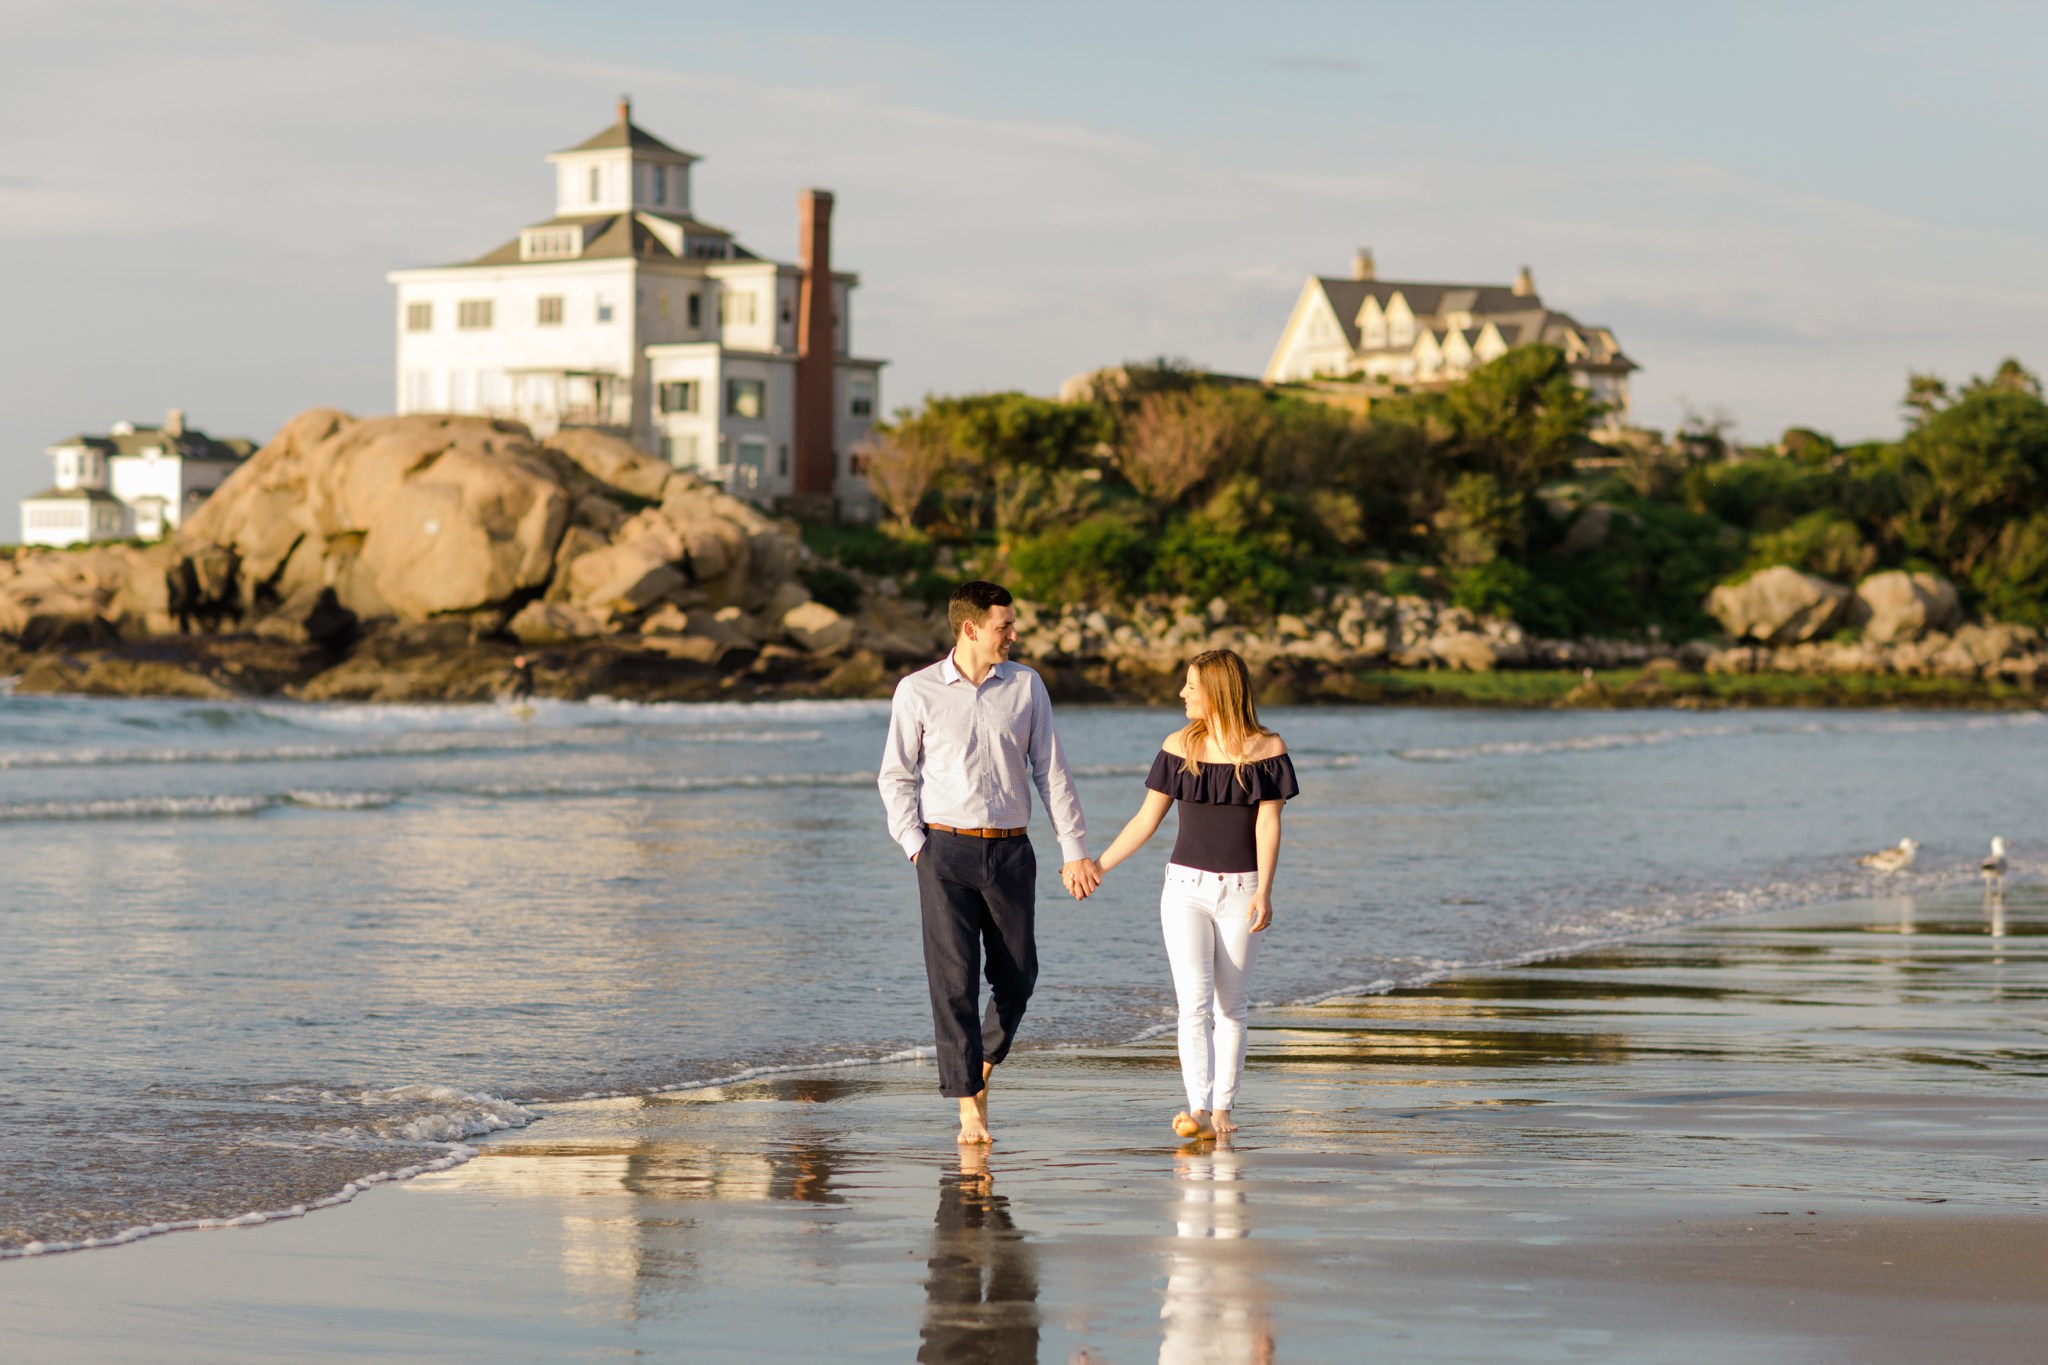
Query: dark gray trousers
978,898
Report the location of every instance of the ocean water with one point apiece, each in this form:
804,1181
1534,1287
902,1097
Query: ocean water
254,957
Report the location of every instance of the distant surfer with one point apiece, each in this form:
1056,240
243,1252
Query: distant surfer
520,693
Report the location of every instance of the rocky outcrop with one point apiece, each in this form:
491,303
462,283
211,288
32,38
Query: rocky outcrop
1779,605
1989,652
368,541
1145,646
1905,606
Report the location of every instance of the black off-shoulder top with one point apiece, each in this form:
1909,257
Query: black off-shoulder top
1219,810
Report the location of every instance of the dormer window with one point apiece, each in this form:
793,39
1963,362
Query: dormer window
596,183
660,178
551,243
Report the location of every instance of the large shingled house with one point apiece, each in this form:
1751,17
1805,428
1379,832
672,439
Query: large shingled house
1406,333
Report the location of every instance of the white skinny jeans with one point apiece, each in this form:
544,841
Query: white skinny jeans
1206,918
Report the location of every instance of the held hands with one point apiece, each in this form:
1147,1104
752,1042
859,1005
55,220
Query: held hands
1262,909
1081,877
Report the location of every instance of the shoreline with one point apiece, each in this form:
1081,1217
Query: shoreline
1608,1129
532,1109
435,666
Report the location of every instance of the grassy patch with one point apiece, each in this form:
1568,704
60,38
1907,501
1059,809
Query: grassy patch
1631,688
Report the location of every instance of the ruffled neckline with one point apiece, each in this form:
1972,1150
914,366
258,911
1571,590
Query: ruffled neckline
1218,784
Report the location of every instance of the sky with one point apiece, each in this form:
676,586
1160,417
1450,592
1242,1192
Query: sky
1781,210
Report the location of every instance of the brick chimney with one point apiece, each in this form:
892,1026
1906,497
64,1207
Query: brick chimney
625,108
1362,267
1525,284
816,463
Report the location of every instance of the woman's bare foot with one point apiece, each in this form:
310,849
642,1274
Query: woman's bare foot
1222,1121
1193,1124
973,1126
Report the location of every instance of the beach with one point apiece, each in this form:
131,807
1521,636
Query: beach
1811,1135
465,1033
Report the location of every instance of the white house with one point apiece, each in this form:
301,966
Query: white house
138,481
625,310
1421,335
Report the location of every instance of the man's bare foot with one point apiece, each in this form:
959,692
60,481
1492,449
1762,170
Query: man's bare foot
1222,1121
1193,1124
973,1127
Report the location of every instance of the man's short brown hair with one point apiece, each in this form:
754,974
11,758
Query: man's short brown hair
973,601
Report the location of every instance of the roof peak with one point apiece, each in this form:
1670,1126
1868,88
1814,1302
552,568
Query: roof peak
623,132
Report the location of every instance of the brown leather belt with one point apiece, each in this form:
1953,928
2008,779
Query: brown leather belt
976,833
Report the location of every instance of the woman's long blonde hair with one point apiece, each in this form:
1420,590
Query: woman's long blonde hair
1231,719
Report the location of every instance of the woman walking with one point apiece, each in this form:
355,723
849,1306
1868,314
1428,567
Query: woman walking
1230,776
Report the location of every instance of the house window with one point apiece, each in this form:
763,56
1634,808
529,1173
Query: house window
661,304
604,308
678,395
696,310
419,391
549,313
736,308
596,184
860,400
782,461
419,317
745,398
661,184
680,451
473,314
787,315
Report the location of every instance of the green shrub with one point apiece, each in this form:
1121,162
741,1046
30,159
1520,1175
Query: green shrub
1098,559
2013,580
834,587
1255,570
1825,543
870,549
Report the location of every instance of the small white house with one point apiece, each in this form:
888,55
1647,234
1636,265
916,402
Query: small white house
136,481
624,310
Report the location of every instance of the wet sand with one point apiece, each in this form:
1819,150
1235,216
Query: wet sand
1816,1136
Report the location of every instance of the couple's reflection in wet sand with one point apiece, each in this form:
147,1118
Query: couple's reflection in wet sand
981,1286
1215,1299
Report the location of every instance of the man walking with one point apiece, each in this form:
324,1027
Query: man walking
975,722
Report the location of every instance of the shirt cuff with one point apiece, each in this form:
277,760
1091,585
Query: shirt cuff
913,842
1072,850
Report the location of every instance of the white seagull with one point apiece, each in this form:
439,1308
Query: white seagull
1891,860
1994,866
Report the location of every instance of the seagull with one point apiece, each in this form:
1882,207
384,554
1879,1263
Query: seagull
1994,866
1891,860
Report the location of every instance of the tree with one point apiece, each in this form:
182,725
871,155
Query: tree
903,464
1926,394
1174,440
1974,466
1519,417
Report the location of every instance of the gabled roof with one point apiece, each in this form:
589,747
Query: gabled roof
191,445
55,494
1521,318
626,133
615,236
1348,296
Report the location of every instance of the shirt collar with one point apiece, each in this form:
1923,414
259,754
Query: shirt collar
949,671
